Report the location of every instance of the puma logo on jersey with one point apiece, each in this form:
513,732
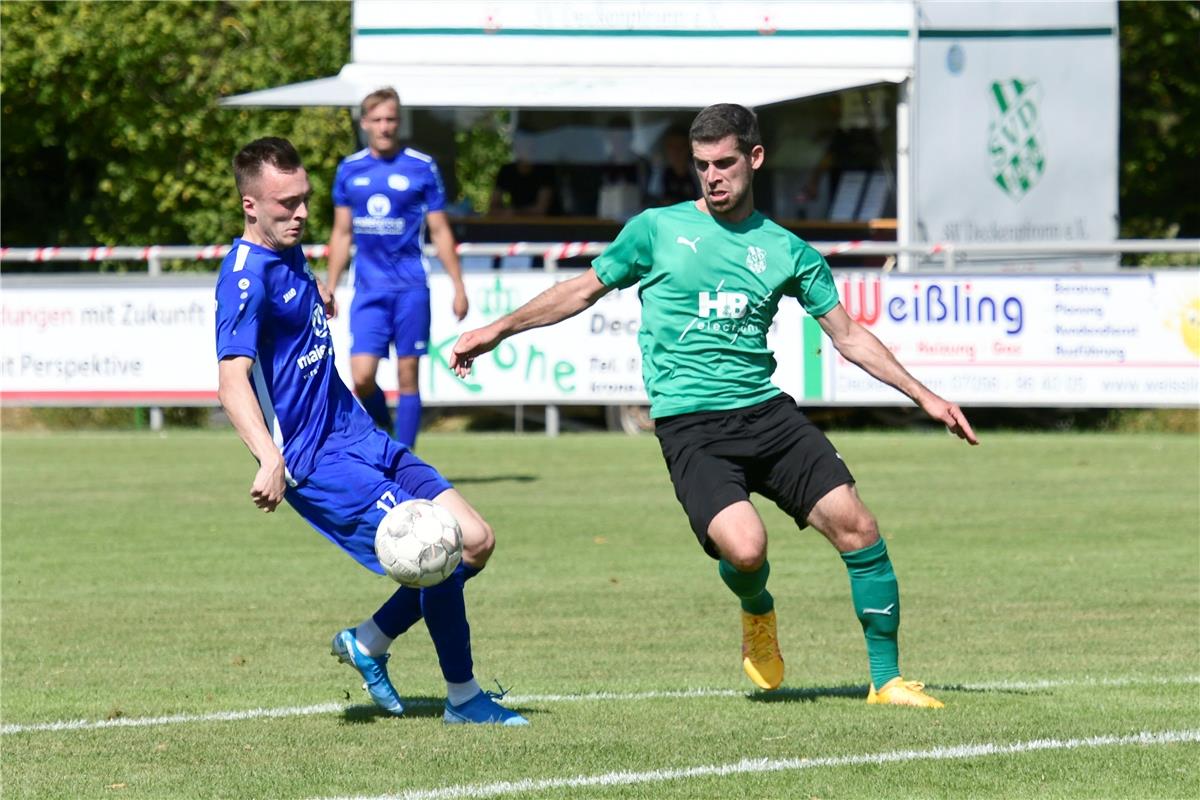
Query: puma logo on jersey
690,243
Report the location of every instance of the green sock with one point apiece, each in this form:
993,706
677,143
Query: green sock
877,604
751,587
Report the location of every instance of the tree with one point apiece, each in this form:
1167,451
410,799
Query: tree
1160,119
481,150
112,131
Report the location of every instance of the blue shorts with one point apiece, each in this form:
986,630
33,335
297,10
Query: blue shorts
380,318
350,490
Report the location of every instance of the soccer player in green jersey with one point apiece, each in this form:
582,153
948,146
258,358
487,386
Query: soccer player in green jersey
712,272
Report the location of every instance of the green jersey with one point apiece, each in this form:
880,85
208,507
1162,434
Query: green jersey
709,292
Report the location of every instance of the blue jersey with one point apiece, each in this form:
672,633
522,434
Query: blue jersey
388,199
269,309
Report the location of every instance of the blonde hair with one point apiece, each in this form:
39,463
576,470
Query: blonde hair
380,96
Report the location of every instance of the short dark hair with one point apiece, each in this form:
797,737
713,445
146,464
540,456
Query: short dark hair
727,119
273,150
379,96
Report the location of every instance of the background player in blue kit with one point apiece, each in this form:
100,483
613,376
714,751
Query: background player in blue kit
383,197
315,445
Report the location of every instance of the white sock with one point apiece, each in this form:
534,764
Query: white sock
370,640
459,693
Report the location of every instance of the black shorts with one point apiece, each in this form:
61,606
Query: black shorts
716,458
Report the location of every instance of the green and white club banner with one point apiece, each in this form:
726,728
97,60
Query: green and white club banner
1008,147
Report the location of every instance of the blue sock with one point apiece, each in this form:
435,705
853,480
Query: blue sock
408,419
403,609
400,612
376,405
446,617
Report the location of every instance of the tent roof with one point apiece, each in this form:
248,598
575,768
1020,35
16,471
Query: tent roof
569,87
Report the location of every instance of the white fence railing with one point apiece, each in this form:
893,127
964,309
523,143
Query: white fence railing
938,255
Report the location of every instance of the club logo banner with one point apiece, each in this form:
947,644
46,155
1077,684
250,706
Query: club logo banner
1014,137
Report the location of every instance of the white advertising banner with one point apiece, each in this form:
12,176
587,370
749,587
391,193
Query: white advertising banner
1015,135
72,344
590,358
1130,339
141,344
1127,339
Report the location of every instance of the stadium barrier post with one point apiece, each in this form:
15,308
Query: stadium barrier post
154,270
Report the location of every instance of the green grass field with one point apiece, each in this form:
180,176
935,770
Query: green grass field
163,639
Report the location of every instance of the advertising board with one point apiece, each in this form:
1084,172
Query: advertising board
1119,339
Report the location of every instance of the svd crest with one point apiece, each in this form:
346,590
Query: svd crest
1014,136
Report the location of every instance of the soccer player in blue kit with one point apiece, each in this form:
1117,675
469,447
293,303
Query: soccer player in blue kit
383,197
317,448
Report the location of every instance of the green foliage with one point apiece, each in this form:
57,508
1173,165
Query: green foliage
1160,118
1154,420
113,135
481,150
112,132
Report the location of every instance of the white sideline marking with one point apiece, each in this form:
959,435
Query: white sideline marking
174,719
332,708
750,765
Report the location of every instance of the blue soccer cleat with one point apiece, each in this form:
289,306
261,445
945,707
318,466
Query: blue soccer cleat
373,670
482,709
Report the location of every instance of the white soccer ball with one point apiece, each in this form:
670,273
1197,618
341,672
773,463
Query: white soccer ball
418,543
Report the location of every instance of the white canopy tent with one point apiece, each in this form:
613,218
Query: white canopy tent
616,54
647,58
1006,115
568,86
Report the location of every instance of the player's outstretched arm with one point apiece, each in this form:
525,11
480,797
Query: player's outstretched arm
240,404
560,301
861,347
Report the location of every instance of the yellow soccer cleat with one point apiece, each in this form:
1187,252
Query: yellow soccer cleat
899,692
760,650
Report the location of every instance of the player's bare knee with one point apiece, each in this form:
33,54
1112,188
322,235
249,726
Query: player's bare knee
745,556
856,531
479,540
407,375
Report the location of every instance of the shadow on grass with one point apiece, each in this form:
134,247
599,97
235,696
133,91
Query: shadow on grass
494,479
807,695
365,714
414,708
959,687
